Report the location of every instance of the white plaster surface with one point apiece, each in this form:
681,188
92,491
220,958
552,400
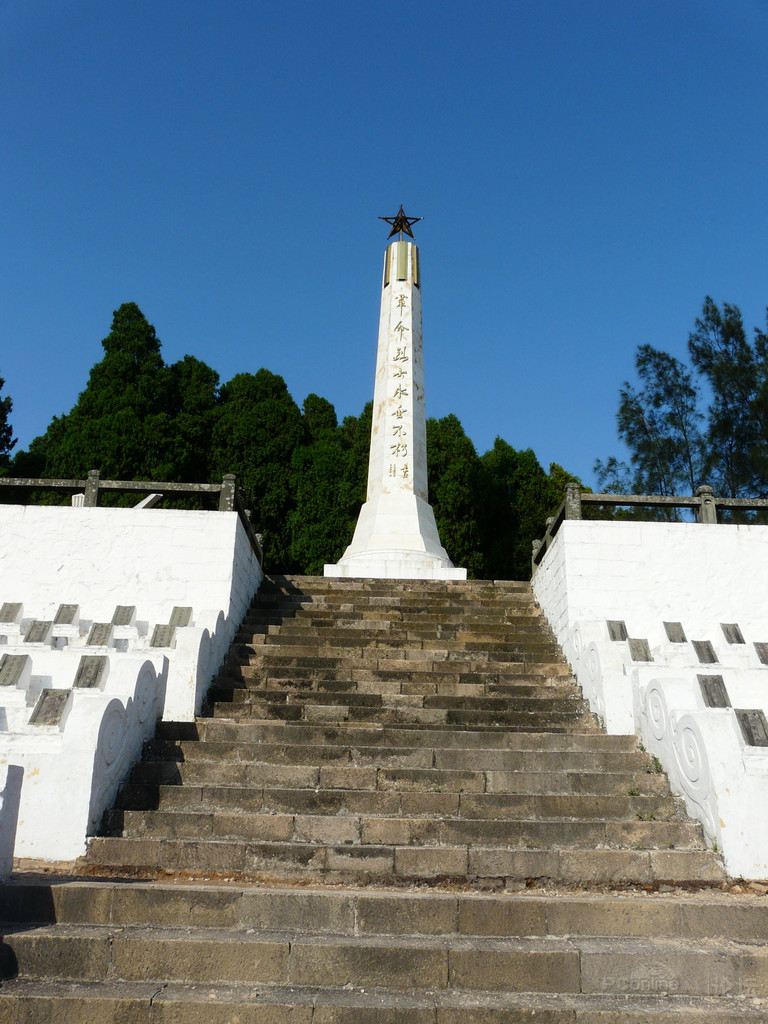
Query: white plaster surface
396,534
701,576
98,558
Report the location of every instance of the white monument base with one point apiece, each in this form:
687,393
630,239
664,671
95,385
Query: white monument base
698,578
67,768
396,538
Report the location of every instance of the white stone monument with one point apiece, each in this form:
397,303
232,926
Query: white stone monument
396,534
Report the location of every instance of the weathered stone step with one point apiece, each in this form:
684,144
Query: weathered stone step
487,806
374,735
30,1002
439,683
369,911
386,864
411,757
371,777
337,830
246,704
391,640
382,670
403,963
432,630
345,694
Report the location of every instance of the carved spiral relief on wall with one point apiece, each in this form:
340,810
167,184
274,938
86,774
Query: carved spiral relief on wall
112,733
577,644
146,689
693,765
655,709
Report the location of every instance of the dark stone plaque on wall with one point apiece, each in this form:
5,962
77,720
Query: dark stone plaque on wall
11,668
50,707
639,650
124,615
90,671
714,692
181,616
66,614
705,652
754,727
162,636
732,632
617,630
675,632
100,635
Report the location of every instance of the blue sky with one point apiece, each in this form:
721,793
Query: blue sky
587,172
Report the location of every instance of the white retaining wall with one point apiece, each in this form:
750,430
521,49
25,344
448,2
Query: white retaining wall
701,576
97,559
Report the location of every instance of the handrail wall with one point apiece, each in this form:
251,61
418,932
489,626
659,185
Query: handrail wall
230,499
705,502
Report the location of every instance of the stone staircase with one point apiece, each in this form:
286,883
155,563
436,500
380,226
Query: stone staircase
396,809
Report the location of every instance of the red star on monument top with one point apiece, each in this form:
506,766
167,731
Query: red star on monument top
401,223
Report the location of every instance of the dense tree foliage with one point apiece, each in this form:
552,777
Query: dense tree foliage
301,473
6,434
706,423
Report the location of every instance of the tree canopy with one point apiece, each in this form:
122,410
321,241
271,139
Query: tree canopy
7,440
703,423
301,472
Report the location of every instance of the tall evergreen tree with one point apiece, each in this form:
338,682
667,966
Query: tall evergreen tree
257,430
120,422
7,440
659,423
519,498
723,356
454,473
320,522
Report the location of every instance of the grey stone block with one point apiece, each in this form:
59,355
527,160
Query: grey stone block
90,671
67,615
11,612
181,616
15,669
124,615
754,727
50,707
675,632
162,636
100,634
714,692
39,632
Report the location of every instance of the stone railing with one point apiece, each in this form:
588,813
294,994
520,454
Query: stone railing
704,504
91,487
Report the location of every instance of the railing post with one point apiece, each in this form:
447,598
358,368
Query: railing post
227,496
91,499
572,501
708,507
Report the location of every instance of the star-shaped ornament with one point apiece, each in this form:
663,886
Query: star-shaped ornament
400,223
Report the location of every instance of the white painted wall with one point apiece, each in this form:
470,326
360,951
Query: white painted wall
99,558
701,576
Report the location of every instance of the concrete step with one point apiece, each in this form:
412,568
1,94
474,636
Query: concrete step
401,963
486,806
390,863
189,751
372,777
247,704
337,830
371,734
30,1002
